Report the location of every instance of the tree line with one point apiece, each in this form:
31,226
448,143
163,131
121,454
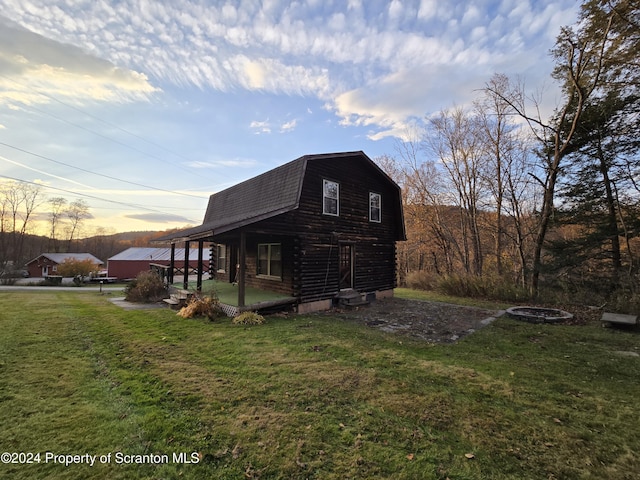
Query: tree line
32,223
498,191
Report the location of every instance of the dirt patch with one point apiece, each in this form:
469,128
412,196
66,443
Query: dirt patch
429,321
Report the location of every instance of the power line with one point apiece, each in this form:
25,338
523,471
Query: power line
95,173
132,205
157,145
45,173
97,118
100,134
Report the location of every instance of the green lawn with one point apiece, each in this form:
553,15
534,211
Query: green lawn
309,396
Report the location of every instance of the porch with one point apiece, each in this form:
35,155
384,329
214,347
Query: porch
227,294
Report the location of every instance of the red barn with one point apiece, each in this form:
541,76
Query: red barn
46,264
132,261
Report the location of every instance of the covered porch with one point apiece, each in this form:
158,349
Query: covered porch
255,299
238,295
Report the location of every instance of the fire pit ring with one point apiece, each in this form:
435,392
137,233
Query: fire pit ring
538,314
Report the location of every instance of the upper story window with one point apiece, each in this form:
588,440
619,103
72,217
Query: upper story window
330,198
375,207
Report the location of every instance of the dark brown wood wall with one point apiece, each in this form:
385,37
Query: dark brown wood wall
252,279
320,235
310,240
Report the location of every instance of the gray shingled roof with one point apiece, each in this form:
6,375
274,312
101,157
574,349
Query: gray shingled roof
251,200
254,199
61,257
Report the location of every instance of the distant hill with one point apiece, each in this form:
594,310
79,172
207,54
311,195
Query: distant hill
100,246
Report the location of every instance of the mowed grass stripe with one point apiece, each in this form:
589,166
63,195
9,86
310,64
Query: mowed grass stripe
311,396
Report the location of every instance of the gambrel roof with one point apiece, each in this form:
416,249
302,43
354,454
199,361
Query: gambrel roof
272,193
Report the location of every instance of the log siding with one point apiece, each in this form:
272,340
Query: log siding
310,239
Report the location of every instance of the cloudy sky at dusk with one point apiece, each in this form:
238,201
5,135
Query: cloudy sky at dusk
143,108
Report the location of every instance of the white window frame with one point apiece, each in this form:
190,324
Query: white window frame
268,274
373,195
221,248
325,197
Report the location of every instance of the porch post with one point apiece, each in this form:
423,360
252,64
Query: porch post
185,278
172,264
199,281
242,255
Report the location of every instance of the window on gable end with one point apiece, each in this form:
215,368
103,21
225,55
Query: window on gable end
375,207
330,198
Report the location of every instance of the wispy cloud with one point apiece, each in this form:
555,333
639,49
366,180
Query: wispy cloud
371,66
260,127
226,163
288,126
160,218
33,67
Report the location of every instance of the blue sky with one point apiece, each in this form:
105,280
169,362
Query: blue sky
145,108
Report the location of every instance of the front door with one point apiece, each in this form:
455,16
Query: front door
346,266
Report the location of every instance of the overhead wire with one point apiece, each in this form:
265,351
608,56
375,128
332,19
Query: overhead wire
98,174
45,173
133,205
73,107
105,122
126,204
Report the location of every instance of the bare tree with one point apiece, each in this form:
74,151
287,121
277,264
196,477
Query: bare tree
507,154
77,212
432,243
18,200
453,138
57,209
579,64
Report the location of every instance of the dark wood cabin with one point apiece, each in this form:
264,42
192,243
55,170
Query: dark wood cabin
311,229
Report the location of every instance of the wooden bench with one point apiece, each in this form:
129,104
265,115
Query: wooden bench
608,319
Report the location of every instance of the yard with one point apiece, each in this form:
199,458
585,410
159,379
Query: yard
146,394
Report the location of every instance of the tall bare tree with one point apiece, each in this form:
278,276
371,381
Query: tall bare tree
507,160
77,212
579,65
453,137
56,213
18,201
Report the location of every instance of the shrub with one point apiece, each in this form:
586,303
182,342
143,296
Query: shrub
421,280
72,267
625,302
248,318
489,287
201,307
147,287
